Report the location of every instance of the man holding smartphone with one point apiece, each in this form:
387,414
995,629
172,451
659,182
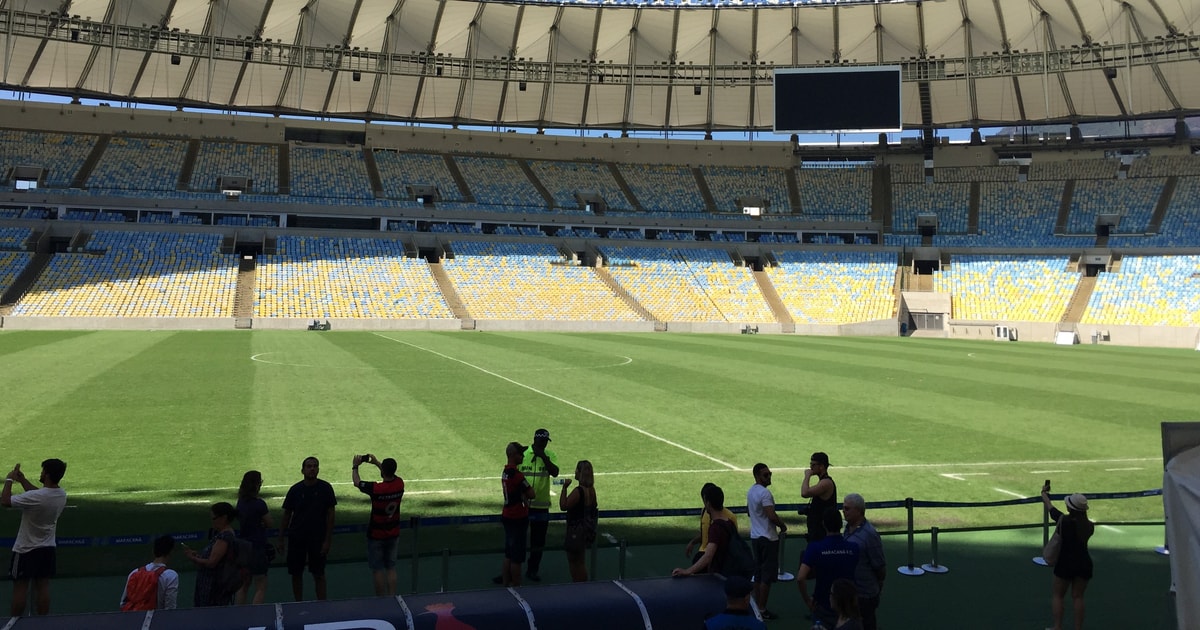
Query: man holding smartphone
538,465
383,528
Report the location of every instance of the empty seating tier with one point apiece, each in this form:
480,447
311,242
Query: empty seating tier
1008,288
326,277
137,274
60,155
688,284
530,281
836,287
1148,291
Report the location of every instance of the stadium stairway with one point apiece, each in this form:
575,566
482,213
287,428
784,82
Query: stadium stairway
467,194
1079,300
710,202
629,300
23,281
624,186
93,158
773,300
446,286
537,183
1164,202
243,299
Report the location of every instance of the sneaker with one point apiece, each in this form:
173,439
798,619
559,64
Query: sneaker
768,615
499,579
533,577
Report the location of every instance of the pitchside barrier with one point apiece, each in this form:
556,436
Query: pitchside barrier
669,603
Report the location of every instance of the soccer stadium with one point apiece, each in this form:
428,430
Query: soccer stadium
956,246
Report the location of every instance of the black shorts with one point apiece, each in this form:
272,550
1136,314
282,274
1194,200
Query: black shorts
766,560
515,530
36,564
305,552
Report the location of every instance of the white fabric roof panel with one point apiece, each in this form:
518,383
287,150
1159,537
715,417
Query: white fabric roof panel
650,57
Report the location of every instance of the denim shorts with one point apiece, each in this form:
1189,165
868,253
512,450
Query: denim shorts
381,554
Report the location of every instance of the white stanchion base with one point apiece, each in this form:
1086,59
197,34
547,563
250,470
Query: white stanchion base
1040,560
907,570
935,568
784,576
1162,551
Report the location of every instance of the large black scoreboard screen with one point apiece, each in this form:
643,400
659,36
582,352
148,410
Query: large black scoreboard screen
828,100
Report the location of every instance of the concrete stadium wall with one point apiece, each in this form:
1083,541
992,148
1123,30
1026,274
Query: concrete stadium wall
1037,332
505,325
296,323
1138,336
116,323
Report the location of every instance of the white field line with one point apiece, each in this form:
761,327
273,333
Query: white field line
624,473
1121,469
959,476
1112,529
1047,472
1009,493
565,402
1051,462
258,358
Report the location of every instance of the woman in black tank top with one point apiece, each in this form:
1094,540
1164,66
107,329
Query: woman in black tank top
822,494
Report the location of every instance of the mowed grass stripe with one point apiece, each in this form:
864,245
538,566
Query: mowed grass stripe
550,385
12,342
146,414
50,388
1119,397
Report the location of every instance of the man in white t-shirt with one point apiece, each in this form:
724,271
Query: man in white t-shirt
33,558
166,595
764,537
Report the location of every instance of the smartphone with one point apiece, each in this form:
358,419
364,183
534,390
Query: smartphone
1047,485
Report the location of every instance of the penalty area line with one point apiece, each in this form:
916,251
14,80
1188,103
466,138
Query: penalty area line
564,401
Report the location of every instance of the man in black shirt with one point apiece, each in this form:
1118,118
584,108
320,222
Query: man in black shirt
306,530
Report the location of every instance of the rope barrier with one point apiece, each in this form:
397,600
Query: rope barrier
416,522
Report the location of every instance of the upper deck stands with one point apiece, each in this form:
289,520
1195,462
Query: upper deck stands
61,155
565,179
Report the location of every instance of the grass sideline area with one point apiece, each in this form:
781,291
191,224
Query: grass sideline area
156,425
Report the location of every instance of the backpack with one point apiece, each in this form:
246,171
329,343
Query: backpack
141,590
234,568
739,560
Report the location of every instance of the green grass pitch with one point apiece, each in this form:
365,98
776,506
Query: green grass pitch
155,425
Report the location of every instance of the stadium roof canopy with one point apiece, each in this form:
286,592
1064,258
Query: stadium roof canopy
625,66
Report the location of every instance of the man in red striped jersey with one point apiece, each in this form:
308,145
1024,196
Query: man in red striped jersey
383,529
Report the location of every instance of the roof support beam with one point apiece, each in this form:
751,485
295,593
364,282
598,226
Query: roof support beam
383,68
473,47
429,55
671,62
37,55
713,33
969,52
298,58
633,49
591,67
552,56
1158,75
1048,31
256,38
337,65
108,28
162,27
